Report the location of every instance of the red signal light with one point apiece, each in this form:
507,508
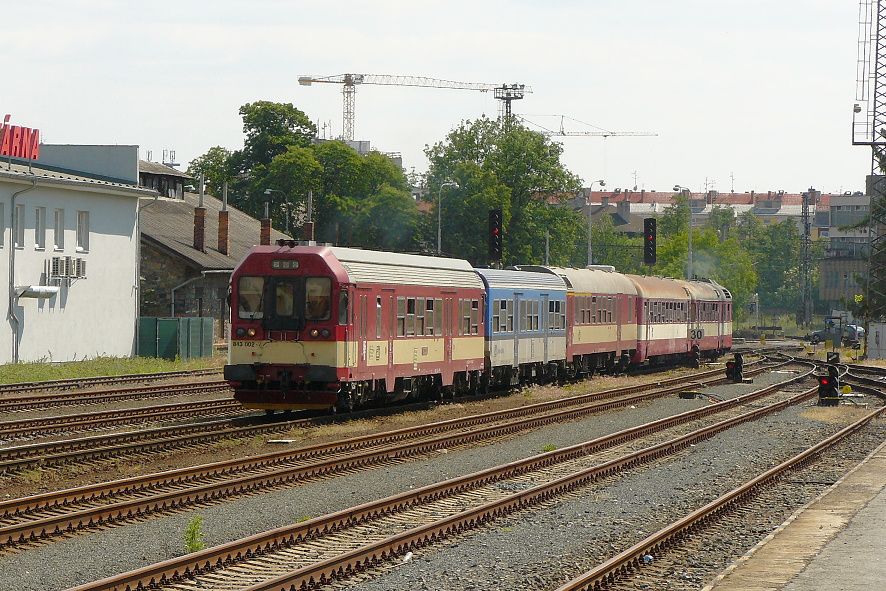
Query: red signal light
824,381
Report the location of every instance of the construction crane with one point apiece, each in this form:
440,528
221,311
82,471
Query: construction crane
600,132
506,93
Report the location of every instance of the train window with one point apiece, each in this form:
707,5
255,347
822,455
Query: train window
475,316
401,316
465,317
410,317
420,316
250,291
378,317
284,299
318,295
343,308
496,318
510,309
429,317
438,317
523,317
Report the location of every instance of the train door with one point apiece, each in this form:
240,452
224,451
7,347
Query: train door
546,316
362,328
519,322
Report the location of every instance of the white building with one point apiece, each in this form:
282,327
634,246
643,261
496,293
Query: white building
69,247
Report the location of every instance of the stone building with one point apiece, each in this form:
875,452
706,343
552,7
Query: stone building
188,253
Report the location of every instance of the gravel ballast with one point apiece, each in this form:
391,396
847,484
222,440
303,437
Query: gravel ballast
85,557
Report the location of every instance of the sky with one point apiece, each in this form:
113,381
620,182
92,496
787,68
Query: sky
743,94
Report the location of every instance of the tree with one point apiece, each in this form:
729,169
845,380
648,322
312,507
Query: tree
270,129
512,159
611,247
387,220
293,173
722,219
214,167
675,218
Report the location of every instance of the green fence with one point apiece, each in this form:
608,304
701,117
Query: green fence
169,338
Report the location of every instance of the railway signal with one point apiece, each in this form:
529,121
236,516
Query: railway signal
649,241
735,369
495,235
829,388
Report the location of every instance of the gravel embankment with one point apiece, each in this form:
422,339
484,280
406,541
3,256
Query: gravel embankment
87,557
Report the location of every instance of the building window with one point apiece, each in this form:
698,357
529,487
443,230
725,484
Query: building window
82,231
58,232
40,228
18,227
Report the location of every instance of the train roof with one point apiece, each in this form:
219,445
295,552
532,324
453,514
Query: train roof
516,280
707,290
591,281
660,287
371,266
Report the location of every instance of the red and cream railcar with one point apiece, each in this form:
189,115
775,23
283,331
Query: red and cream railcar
320,327
602,317
710,317
663,308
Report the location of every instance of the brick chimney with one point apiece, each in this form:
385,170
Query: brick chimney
199,228
223,241
265,236
308,231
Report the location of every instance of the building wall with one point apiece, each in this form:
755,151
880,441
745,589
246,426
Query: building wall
118,163
88,316
205,296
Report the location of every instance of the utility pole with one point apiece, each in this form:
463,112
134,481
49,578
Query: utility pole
810,196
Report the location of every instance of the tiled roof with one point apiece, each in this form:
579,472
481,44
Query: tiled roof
16,170
169,223
157,168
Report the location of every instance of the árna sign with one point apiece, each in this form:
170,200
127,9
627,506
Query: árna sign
19,142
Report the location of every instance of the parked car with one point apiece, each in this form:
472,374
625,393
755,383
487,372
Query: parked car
852,333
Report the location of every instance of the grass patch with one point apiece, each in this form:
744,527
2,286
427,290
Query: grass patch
549,447
193,535
226,444
39,371
32,476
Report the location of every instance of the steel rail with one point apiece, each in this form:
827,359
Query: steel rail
40,401
14,459
68,384
103,419
277,473
179,568
632,558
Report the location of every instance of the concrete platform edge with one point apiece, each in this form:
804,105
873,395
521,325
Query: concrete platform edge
759,545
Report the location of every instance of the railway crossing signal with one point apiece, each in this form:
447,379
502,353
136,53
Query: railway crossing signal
649,241
495,234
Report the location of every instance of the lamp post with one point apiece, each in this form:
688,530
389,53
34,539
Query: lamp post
440,213
284,206
685,191
602,183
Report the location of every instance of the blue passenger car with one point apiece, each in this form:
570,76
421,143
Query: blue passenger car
525,325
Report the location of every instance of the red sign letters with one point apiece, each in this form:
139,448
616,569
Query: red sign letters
19,142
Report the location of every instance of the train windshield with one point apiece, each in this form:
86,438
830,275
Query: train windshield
250,294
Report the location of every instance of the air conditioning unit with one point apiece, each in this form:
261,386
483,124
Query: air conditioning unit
55,267
69,271
80,268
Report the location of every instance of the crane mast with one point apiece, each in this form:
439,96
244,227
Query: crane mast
506,93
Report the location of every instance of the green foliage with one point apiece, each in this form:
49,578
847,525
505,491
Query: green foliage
548,447
270,129
387,220
214,167
615,248
512,168
193,535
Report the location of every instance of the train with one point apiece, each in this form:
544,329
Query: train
327,327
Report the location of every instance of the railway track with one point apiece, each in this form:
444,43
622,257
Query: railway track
47,426
617,570
147,441
74,383
42,516
332,547
40,401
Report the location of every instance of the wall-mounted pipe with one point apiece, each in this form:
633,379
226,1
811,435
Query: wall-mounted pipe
13,297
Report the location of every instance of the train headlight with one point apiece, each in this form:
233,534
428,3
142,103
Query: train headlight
251,332
241,332
324,333
314,332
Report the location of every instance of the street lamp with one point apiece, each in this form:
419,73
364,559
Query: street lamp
283,206
685,191
602,183
440,213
